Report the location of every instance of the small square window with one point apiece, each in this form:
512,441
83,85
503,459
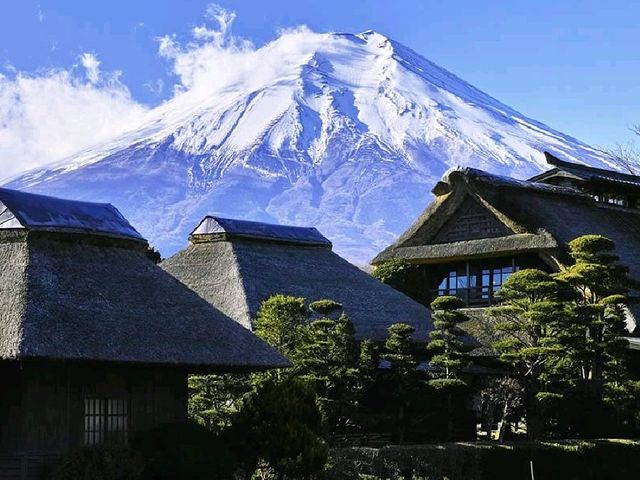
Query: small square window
106,420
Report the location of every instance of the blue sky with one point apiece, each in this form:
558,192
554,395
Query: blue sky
574,65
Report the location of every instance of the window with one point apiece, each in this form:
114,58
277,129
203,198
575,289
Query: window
477,283
613,199
106,420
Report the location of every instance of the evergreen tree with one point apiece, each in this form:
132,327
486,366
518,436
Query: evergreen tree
399,352
403,276
282,323
450,356
598,313
446,341
213,399
529,322
597,348
278,431
329,359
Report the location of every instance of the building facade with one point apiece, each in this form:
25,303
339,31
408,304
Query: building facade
480,228
96,341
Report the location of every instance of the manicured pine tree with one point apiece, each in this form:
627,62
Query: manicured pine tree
449,352
527,322
601,284
446,341
329,359
399,352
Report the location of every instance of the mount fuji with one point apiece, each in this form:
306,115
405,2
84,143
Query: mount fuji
344,132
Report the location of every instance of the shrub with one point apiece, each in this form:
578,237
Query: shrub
98,463
565,460
278,429
184,450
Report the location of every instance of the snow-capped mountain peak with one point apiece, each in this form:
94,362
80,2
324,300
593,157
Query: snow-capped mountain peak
339,131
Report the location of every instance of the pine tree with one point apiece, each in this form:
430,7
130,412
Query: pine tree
529,324
598,348
601,284
446,341
329,359
399,352
213,399
450,356
282,323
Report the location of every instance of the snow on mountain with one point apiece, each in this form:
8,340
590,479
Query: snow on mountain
344,132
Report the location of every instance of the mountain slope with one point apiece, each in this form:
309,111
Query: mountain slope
343,132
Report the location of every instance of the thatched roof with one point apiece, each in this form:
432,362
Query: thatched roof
219,228
68,294
20,210
537,218
237,272
585,173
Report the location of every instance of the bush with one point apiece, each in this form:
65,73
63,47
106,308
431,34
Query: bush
279,428
98,463
184,450
566,460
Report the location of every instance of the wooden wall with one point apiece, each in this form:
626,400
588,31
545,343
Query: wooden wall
42,404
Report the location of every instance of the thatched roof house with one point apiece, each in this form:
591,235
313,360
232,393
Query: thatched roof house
76,284
481,227
96,340
235,265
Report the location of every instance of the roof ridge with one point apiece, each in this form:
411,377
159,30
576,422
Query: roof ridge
215,228
470,174
36,212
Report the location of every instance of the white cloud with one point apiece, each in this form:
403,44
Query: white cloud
91,65
41,16
51,115
215,60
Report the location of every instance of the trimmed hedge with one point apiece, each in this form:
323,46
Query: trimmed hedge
553,460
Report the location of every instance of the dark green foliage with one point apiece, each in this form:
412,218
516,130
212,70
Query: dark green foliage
325,307
402,276
281,322
329,361
600,284
99,463
568,460
279,427
214,398
449,358
562,335
446,341
529,322
324,352
184,450
368,364
403,375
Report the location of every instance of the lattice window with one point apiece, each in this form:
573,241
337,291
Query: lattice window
472,221
106,420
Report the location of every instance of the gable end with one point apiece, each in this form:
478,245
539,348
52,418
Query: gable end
471,221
